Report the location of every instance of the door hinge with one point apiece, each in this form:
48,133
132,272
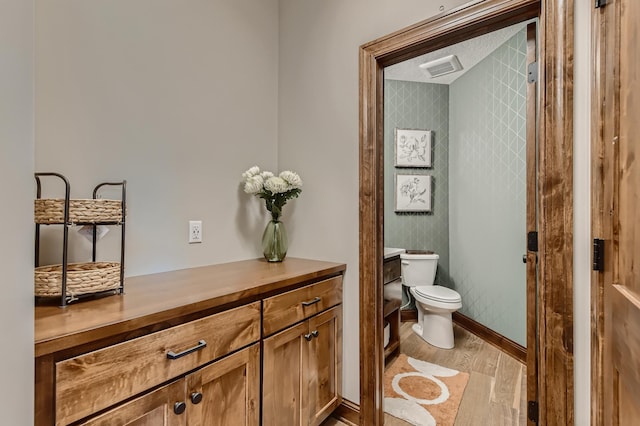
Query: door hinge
532,72
600,3
532,411
532,241
598,255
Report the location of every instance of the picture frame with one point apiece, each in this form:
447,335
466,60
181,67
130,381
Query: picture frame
413,147
413,193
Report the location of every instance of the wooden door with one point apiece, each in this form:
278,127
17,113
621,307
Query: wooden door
616,179
227,392
285,368
325,364
532,220
152,409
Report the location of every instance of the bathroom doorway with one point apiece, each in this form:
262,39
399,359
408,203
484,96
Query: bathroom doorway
552,312
475,120
471,101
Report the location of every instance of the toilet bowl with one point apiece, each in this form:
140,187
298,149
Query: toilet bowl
435,303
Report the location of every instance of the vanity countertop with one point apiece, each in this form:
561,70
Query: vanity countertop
152,299
390,252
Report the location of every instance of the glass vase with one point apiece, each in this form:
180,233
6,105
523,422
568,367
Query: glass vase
274,241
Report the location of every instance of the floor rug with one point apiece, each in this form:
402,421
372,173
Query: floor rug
423,393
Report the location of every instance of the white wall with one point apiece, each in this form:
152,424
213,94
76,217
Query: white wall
582,218
150,98
179,98
318,128
318,131
16,192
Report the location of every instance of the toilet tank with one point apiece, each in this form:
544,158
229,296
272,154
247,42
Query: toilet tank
418,269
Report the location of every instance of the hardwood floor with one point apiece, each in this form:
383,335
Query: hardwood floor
496,392
334,422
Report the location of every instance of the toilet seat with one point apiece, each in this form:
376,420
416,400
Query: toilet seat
438,293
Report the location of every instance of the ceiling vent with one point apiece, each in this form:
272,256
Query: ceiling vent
442,66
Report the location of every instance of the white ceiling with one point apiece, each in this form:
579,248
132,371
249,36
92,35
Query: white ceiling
469,52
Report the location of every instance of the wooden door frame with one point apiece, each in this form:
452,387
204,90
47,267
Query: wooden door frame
605,88
555,183
598,89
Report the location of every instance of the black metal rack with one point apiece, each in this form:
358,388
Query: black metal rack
64,298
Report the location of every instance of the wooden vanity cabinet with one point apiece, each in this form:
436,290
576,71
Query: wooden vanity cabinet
302,367
152,409
176,350
99,379
325,365
226,392
229,390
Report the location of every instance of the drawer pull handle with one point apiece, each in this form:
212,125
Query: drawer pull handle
312,302
179,407
196,398
172,355
315,333
308,337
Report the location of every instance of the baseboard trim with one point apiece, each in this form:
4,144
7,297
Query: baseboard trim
504,344
348,412
408,315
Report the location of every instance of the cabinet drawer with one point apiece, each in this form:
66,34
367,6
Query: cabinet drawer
391,270
96,380
288,308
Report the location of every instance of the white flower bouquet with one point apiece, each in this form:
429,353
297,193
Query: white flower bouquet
275,190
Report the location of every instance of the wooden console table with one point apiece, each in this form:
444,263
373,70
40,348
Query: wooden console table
176,344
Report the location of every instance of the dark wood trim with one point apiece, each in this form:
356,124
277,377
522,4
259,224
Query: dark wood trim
598,79
555,184
348,412
506,345
408,315
555,212
463,23
533,152
605,121
458,25
371,240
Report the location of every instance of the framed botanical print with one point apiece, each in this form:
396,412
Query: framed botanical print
412,148
413,193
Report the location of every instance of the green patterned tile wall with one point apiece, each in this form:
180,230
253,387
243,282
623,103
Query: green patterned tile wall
487,189
413,105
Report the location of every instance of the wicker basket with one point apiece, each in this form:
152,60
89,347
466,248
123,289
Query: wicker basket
50,211
82,278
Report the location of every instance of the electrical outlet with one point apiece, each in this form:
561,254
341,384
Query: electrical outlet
195,231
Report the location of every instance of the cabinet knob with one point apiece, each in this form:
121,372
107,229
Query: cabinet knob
308,336
179,407
315,333
196,397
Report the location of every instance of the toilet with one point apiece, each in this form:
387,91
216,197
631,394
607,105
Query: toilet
435,303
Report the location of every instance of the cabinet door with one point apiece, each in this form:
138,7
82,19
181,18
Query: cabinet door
152,409
284,389
325,364
227,392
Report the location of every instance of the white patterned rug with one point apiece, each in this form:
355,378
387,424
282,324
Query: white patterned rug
423,393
